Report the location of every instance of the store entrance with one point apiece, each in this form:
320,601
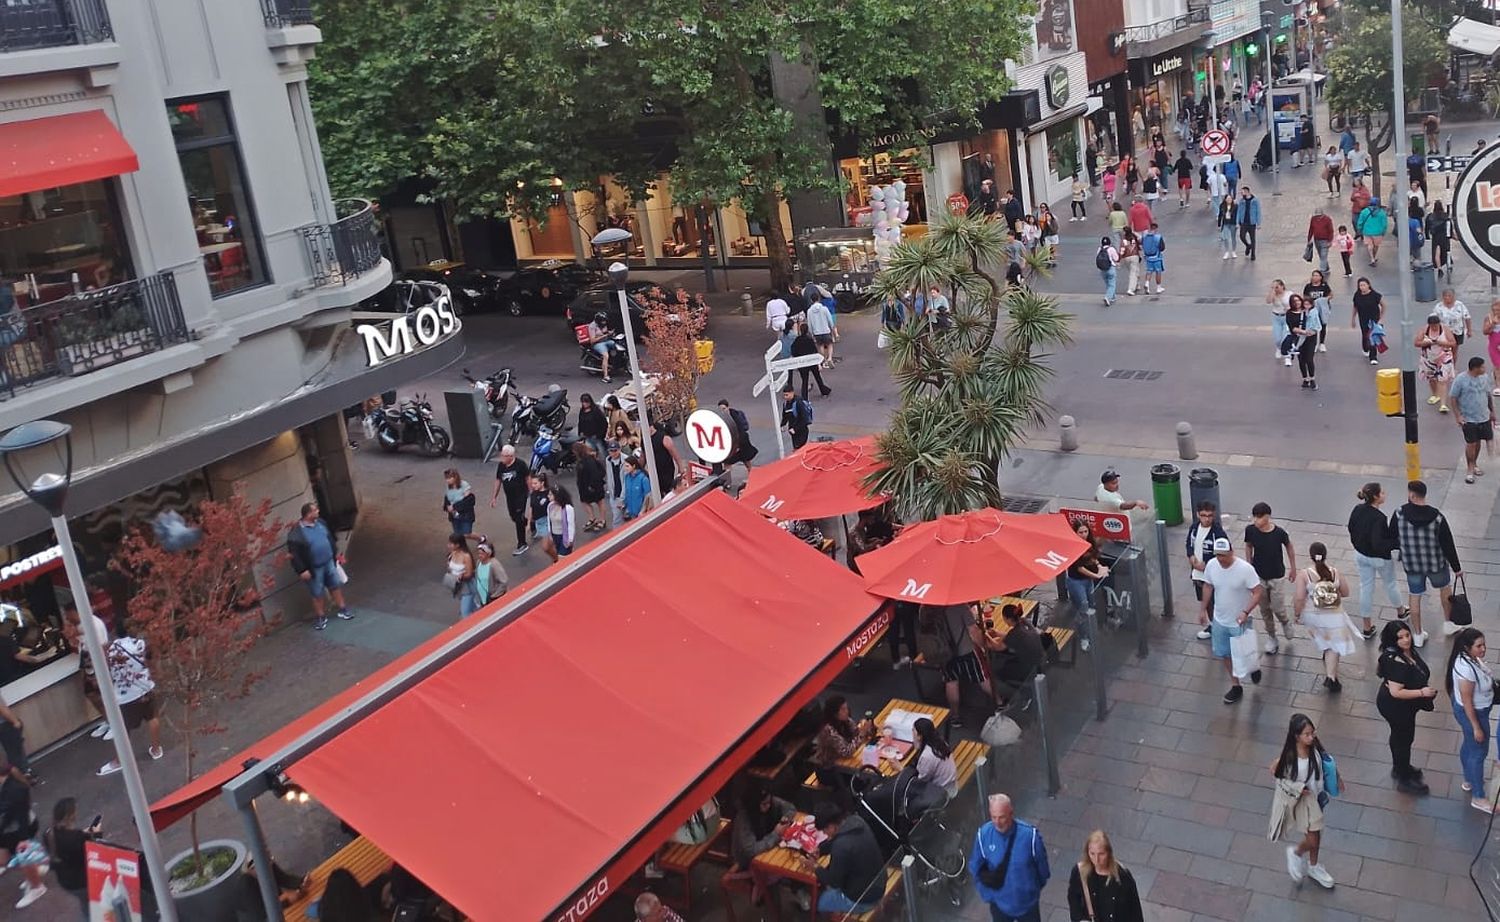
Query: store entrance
859,174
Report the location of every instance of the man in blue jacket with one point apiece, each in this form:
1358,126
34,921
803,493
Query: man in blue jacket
1010,865
1247,216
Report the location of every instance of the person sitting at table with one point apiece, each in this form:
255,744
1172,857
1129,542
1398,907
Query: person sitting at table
854,880
873,530
758,827
344,900
1020,653
838,738
649,908
934,760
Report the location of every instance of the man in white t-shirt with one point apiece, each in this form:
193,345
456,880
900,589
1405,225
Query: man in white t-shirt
777,310
131,678
1231,591
1109,494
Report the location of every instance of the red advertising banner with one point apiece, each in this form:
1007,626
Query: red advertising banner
114,879
1113,526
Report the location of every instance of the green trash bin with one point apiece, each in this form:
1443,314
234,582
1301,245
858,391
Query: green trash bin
1166,492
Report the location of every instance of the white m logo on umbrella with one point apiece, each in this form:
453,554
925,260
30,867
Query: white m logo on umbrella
913,591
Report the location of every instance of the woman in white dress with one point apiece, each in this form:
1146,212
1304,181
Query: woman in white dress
1319,601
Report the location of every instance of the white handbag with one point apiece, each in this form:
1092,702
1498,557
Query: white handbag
883,340
1000,730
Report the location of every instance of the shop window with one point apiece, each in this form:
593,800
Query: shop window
1062,150
218,196
57,241
746,236
33,592
884,168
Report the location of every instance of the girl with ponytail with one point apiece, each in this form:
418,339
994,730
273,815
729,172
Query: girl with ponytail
1319,601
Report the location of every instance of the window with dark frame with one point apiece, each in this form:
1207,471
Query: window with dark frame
219,198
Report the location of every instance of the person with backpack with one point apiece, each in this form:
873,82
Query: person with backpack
1319,601
1154,249
1106,260
744,450
796,415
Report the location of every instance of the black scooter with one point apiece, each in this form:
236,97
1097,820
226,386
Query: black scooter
411,424
532,413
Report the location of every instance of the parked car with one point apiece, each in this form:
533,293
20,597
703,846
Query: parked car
474,290
403,296
549,288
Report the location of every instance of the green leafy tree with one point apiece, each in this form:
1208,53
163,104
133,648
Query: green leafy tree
968,393
1360,81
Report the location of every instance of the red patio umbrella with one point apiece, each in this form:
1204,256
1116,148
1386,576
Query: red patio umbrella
822,480
971,556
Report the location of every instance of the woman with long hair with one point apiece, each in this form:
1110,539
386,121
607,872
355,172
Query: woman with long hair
458,502
1490,326
1319,602
560,522
592,489
460,576
1297,807
344,900
1130,259
1227,229
1100,889
934,760
759,825
1303,325
1369,311
1471,685
1405,689
1369,533
1436,347
838,737
1280,300
1319,296
1083,575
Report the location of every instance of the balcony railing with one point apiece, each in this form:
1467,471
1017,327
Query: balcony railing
1151,31
89,330
346,249
283,13
31,24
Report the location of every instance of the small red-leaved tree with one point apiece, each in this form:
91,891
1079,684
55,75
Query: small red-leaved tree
198,610
674,323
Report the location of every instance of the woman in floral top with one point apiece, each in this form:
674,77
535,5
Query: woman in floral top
839,737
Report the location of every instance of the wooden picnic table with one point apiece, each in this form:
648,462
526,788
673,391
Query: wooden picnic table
362,858
890,767
779,862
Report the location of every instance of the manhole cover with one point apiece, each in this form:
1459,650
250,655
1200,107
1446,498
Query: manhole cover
1217,300
1133,374
1024,505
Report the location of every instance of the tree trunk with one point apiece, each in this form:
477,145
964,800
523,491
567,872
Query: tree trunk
776,252
1377,144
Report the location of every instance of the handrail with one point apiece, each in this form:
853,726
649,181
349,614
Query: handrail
346,249
1151,31
54,24
282,13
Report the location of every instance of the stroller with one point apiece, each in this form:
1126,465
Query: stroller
1262,161
905,813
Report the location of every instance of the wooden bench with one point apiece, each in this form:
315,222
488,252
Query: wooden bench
362,858
965,754
789,750
892,878
676,858
1064,637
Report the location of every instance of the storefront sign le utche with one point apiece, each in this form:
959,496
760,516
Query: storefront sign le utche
1163,66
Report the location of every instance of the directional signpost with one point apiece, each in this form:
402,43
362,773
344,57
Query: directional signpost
778,372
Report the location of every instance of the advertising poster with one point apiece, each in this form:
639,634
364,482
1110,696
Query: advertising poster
114,883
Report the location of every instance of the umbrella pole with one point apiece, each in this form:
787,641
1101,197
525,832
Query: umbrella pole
848,542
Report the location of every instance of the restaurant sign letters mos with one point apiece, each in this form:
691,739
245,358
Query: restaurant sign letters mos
409,332
1058,90
1112,525
1476,209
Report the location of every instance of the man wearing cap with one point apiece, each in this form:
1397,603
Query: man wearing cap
1109,495
1231,591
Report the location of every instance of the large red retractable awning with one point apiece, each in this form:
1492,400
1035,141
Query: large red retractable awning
540,767
61,150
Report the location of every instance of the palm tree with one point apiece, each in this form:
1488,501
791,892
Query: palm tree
967,392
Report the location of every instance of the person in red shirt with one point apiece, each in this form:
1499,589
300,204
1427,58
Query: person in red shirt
1320,235
1140,216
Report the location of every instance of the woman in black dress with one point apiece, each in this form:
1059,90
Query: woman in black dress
1100,889
1405,689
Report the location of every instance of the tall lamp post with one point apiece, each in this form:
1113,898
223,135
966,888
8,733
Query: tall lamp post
1213,98
1266,18
49,489
1403,247
618,273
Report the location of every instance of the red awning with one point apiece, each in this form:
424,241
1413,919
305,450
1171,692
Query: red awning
542,766
61,150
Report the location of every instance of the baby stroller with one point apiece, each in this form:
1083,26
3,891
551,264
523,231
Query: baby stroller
1262,159
905,813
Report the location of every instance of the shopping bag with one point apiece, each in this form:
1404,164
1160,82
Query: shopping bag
883,340
700,826
1244,653
1307,252
1462,613
1000,730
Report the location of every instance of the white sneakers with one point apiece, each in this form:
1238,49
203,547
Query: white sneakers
1271,646
1225,256
1322,347
99,731
1449,628
1204,634
1296,865
1289,361
1318,873
1419,639
30,895
1160,290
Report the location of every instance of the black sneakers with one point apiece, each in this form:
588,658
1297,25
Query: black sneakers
1234,694
1255,677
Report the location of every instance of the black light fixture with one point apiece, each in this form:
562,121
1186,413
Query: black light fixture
47,488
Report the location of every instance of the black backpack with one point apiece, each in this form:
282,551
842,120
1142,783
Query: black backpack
1102,260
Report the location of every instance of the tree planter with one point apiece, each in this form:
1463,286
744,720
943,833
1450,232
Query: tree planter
215,899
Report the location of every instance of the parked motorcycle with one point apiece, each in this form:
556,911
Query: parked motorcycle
532,413
496,389
411,424
553,451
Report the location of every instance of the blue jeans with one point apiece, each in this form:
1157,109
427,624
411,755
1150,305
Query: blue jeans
1370,570
1109,282
832,901
462,526
1081,592
1470,753
1226,237
468,602
325,576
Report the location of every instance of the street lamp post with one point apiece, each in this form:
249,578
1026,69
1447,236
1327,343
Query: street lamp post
1403,247
1266,19
49,490
618,273
1213,99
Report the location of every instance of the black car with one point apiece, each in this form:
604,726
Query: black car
474,290
545,289
404,296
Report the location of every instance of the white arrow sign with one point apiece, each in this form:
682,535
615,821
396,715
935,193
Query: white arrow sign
772,351
765,382
796,361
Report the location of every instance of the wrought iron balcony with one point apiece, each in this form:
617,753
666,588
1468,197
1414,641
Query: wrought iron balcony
30,24
89,330
1151,31
346,249
283,13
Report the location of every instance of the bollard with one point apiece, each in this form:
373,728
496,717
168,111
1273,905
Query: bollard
1166,569
1039,694
746,303
1141,589
1101,705
981,785
1187,447
909,883
1067,433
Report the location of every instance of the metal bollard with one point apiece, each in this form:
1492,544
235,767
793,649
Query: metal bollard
1187,446
1101,706
1166,569
1039,692
981,765
1067,433
909,884
746,303
1141,590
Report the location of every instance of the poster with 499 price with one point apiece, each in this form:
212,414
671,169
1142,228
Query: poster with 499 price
114,881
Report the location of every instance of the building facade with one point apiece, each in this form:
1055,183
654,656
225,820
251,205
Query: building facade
176,283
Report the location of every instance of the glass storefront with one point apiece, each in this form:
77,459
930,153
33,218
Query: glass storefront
1063,157
223,215
54,242
881,169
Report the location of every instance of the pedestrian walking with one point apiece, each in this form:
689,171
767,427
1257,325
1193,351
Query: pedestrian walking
1100,889
805,344
490,579
1435,345
1305,777
744,450
1009,860
1428,556
1130,260
1247,216
592,489
1371,223
1281,301
18,827
593,425
1454,315
1107,261
1405,689
1108,184
1343,244
1474,411
1371,538
1368,316
1051,236
820,325
313,550
1226,210
1080,196
1218,188
1154,249
1184,170
1140,216
511,476
1269,550
636,498
458,502
459,578
1303,325
1333,171
536,506
1358,162
1319,602
1471,686
1151,188
135,692
1319,238
1200,549
1319,295
1119,220
1440,234
796,415
1414,226
1491,329
1231,591
561,522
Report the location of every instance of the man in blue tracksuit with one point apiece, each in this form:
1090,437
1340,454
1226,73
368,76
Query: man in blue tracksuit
1009,861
